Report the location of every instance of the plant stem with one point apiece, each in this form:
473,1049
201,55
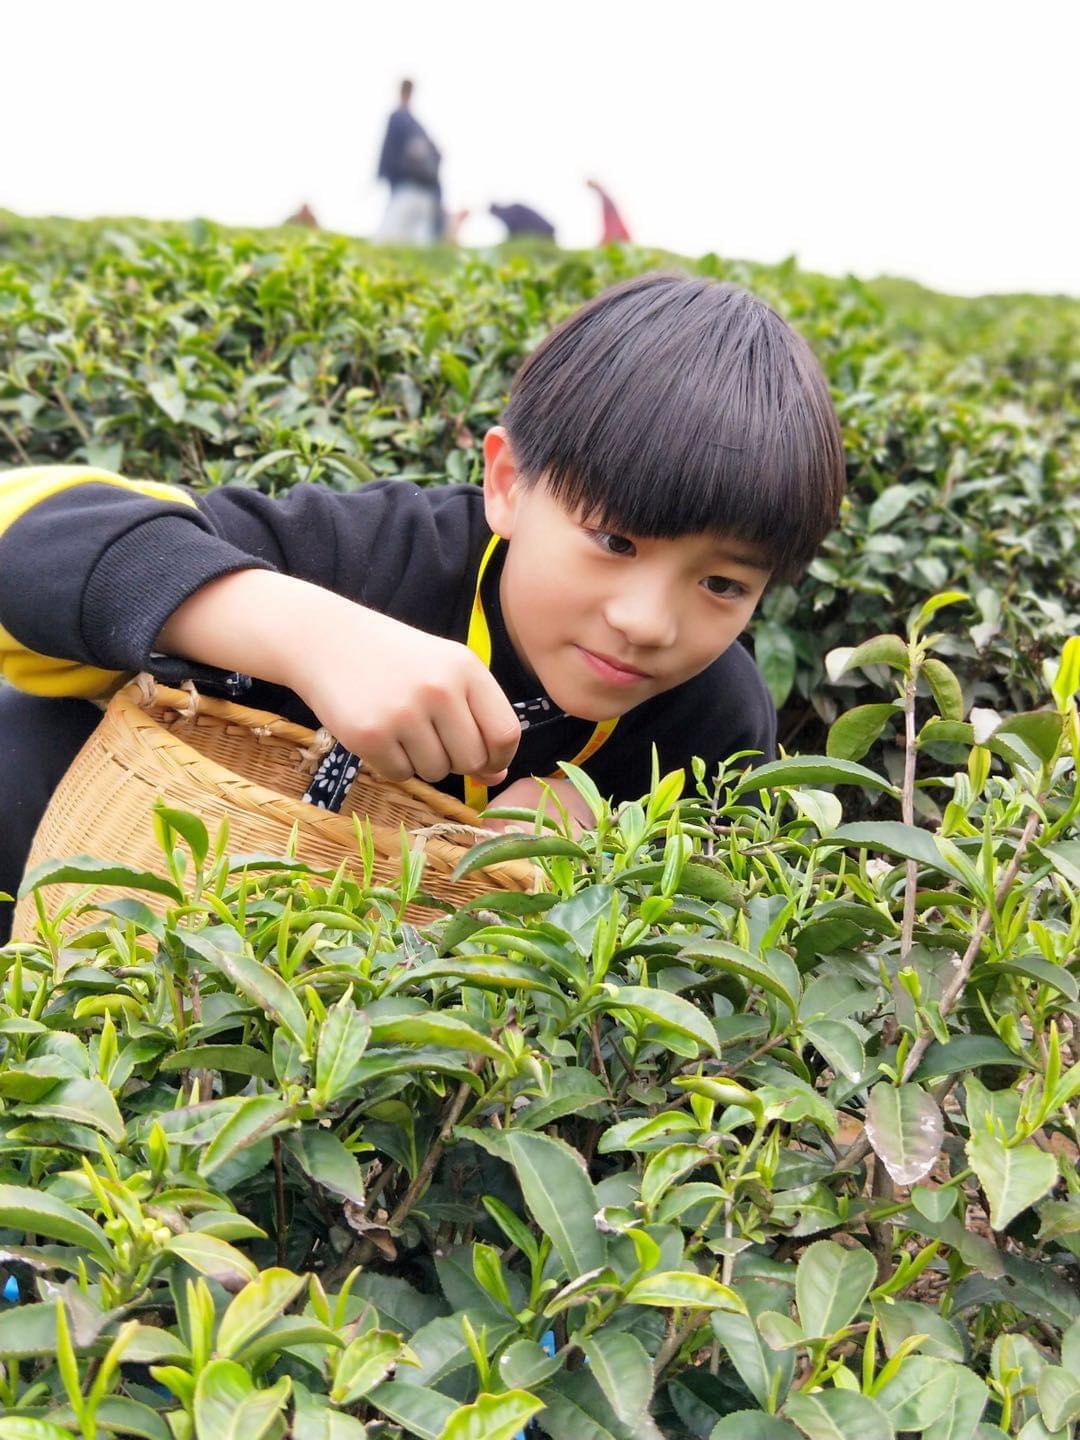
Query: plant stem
279,1193
953,990
907,813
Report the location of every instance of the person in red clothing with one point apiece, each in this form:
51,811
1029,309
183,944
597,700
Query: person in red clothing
613,225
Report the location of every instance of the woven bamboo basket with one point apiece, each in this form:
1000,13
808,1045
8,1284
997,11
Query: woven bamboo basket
218,758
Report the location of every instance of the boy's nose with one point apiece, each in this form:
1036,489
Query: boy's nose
644,616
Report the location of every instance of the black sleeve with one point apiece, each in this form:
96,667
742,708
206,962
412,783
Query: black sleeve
92,570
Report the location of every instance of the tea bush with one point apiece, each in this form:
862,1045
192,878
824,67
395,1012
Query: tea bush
749,1122
759,1118
210,356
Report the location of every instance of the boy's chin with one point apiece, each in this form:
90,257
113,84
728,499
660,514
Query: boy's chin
576,702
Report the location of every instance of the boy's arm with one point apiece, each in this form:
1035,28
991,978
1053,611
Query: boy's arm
334,596
93,565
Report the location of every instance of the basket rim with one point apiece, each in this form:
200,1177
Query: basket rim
134,707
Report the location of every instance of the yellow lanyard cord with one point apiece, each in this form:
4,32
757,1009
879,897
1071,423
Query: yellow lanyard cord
479,642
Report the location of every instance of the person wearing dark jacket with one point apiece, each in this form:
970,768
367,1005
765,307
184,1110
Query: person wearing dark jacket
409,162
665,451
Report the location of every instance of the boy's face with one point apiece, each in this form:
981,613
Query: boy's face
573,595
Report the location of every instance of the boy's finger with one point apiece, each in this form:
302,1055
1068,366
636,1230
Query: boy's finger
423,745
464,743
497,721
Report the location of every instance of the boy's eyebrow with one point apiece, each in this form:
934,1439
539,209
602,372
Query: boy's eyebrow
736,557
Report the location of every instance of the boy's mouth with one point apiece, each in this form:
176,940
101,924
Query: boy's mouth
613,671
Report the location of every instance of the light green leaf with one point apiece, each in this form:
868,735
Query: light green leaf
432,1027
936,603
254,1118
86,870
667,1167
623,1371
840,1046
25,1427
901,1318
852,735
906,1128
757,1363
254,1308
443,1350
419,1409
37,1212
737,961
228,1406
684,1287
820,807
27,1330
213,1257
663,1008
894,838
1059,1396
838,1415
1067,679
889,505
320,1154
774,652
365,1363
810,770
84,1101
515,847
888,650
343,1039
262,985
961,1418
557,1191
525,1363
946,689
831,1283
315,1419
753,1425
492,1417
234,1059
1013,1177
920,1392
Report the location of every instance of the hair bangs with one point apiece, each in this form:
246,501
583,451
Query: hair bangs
673,406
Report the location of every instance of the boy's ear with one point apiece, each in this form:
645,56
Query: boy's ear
502,488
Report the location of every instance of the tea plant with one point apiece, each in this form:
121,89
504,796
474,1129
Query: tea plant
751,1121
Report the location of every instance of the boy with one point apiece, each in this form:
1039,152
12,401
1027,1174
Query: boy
665,451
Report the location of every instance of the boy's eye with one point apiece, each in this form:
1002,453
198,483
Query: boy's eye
617,542
726,589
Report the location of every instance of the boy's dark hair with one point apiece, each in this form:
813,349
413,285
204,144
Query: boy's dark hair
673,405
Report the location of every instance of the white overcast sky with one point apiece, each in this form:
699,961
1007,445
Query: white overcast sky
935,139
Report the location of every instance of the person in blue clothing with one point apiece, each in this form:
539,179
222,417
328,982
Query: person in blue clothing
409,162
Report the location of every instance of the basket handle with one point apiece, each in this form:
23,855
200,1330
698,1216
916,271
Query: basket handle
174,670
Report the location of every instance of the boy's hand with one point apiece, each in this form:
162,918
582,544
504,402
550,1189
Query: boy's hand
406,702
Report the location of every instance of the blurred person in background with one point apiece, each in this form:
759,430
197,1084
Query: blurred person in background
522,220
612,226
409,163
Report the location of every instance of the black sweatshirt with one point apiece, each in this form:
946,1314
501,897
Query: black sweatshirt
91,567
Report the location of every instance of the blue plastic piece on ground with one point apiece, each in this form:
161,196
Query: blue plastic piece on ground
10,1292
